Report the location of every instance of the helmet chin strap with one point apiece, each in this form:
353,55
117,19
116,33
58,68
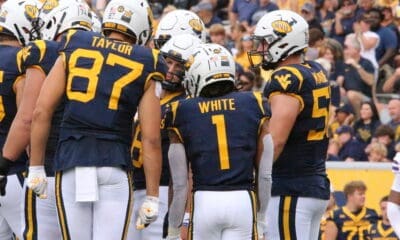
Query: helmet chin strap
172,86
60,24
20,37
285,55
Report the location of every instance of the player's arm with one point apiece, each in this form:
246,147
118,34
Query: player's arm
48,100
285,109
50,95
264,162
18,136
18,89
331,230
150,120
5,161
179,175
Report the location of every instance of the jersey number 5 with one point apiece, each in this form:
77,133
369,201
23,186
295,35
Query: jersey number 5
320,95
91,74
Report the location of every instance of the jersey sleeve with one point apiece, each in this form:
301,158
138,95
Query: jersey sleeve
66,40
33,54
331,216
263,105
39,54
161,66
170,118
374,217
285,80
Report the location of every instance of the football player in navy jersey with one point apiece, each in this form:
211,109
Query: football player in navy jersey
298,92
204,131
382,229
105,80
353,220
176,52
15,25
38,57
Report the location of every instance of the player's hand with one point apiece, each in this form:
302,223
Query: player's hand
5,165
261,226
148,212
185,226
37,181
174,234
396,163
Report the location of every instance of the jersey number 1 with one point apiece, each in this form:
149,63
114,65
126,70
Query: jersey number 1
219,122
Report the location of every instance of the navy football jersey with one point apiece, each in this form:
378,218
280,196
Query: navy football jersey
42,55
10,73
353,226
300,168
139,179
220,137
381,231
105,82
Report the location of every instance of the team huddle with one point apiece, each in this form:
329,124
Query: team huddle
104,137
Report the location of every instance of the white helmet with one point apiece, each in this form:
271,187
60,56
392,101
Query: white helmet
96,23
278,35
178,48
16,19
132,18
210,64
179,22
64,15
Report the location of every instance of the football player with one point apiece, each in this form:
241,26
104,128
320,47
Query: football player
393,205
223,157
105,80
382,229
179,22
298,92
353,220
56,17
15,26
176,52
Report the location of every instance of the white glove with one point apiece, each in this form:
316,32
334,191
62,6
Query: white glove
148,212
186,220
396,163
173,234
37,181
261,226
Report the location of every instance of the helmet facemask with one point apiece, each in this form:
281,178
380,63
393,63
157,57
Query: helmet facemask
174,84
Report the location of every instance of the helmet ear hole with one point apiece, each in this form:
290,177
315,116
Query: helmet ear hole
49,24
283,45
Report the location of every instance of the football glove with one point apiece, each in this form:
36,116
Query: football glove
148,212
5,165
37,181
261,226
173,234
